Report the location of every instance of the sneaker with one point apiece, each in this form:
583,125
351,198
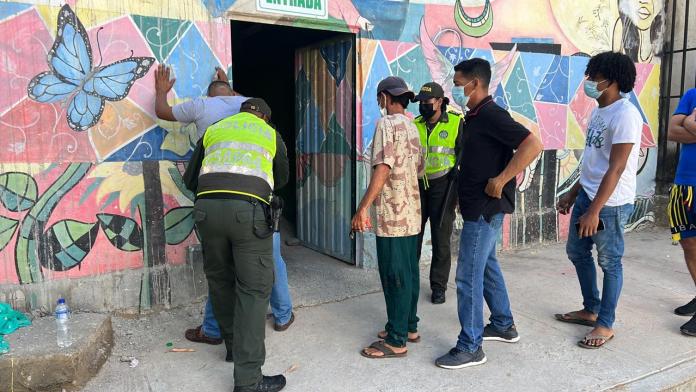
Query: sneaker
689,328
508,336
267,384
438,296
458,359
688,309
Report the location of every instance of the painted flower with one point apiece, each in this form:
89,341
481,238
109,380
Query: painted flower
125,182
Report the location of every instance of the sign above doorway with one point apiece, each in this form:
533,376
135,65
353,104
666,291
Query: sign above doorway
317,9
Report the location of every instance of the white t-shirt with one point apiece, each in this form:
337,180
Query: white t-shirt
617,123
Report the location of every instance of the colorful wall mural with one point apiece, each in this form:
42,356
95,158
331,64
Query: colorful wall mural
90,180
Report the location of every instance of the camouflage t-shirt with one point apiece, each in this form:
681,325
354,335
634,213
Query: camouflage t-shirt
397,145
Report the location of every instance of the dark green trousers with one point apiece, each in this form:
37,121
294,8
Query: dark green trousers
398,271
239,268
440,234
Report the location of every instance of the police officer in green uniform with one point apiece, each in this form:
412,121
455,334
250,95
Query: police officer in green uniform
243,161
439,131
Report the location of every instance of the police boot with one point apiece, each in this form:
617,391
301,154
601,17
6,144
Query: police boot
267,384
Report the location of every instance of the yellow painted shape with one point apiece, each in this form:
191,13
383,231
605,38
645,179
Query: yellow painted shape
527,123
650,98
96,12
89,17
575,137
120,123
588,24
116,179
23,167
566,166
366,54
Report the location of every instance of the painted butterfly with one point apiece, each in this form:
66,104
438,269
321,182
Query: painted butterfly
73,78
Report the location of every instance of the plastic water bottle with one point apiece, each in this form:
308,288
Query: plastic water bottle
63,336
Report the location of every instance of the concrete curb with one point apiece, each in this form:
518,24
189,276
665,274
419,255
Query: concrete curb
37,364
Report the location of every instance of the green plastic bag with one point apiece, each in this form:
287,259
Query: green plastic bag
10,320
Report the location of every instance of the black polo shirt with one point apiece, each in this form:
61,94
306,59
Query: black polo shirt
490,137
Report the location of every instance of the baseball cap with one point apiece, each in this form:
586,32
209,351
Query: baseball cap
257,105
395,86
431,90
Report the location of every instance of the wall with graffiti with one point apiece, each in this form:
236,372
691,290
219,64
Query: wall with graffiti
90,180
539,50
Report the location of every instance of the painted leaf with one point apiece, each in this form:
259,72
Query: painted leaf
178,224
18,191
7,229
179,141
123,232
68,242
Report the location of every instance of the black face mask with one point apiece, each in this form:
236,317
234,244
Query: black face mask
426,110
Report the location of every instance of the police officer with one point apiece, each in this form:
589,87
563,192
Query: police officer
244,160
439,131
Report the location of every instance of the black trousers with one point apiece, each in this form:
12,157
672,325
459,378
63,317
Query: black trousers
431,209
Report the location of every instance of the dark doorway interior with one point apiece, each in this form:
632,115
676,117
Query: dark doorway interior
263,65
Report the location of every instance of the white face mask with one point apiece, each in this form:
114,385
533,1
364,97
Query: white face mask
383,110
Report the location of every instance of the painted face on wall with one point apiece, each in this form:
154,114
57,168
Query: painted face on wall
641,12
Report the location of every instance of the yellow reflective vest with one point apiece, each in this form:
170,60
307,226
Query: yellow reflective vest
439,146
242,144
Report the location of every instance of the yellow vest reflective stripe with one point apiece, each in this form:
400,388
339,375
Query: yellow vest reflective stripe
241,144
438,148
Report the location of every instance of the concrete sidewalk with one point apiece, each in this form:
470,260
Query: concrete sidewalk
321,351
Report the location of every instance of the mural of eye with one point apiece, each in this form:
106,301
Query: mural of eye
73,78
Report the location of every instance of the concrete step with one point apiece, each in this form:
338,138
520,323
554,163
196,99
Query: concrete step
36,363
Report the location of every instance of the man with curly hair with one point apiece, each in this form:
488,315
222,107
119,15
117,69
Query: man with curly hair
602,200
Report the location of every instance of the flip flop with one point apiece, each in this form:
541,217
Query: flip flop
381,347
583,343
567,318
416,340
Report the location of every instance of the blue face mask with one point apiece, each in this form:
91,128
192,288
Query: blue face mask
459,96
591,90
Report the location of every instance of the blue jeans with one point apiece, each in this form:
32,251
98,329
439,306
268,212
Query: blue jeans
610,249
281,303
478,277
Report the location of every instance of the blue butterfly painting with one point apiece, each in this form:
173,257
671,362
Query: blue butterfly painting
73,78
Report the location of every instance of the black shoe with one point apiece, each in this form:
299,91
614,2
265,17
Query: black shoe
509,336
458,359
229,358
689,328
438,296
267,384
687,310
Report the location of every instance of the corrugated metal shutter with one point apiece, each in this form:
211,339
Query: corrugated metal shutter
324,78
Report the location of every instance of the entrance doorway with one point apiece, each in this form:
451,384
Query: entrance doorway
307,77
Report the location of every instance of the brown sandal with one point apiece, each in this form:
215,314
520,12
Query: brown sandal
381,347
196,335
571,319
414,340
585,342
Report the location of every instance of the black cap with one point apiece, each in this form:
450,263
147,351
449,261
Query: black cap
431,90
257,105
395,86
